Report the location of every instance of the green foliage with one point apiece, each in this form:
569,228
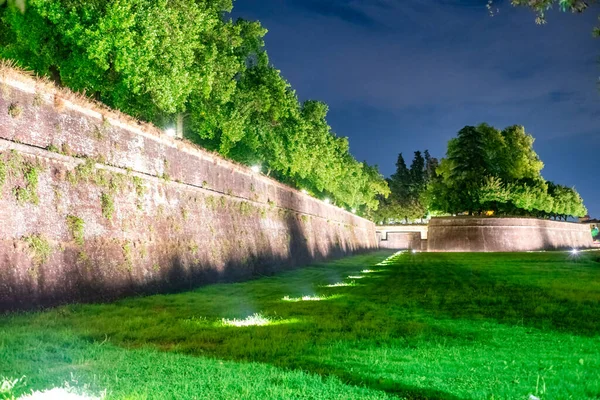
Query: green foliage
29,171
53,148
76,226
138,184
3,173
128,256
84,172
490,170
39,247
15,110
541,6
10,387
415,326
408,201
108,205
161,60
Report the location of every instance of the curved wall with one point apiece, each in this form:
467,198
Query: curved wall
94,205
505,234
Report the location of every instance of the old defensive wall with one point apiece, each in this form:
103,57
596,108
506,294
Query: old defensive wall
505,234
94,205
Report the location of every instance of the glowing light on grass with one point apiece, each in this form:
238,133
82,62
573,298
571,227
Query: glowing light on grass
57,394
574,252
391,259
304,191
256,319
327,201
340,284
252,320
255,168
367,271
414,251
308,298
354,211
355,277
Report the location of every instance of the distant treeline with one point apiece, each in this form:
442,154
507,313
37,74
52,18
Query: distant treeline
485,171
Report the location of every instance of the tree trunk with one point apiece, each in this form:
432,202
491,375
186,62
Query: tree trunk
179,126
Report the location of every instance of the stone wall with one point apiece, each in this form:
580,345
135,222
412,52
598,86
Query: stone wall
505,234
400,240
421,229
94,206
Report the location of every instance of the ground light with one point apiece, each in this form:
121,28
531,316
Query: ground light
574,252
255,168
252,320
256,319
340,284
56,394
308,298
170,132
327,201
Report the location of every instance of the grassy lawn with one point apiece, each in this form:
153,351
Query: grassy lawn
411,326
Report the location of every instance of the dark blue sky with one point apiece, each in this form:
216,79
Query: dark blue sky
406,75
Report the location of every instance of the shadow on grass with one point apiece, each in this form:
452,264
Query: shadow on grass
394,302
550,291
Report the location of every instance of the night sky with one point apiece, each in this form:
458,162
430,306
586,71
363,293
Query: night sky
406,75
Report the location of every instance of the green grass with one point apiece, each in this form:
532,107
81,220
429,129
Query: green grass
416,326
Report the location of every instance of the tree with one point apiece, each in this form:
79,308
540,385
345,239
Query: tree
490,170
399,182
140,56
431,164
541,6
465,167
180,60
407,199
418,173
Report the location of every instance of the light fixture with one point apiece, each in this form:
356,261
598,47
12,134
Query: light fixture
170,132
354,211
574,252
255,168
304,191
327,201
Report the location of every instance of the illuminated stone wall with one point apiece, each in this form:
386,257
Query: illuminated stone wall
421,229
505,234
400,240
95,206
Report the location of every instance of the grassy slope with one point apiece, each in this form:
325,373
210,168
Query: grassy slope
447,326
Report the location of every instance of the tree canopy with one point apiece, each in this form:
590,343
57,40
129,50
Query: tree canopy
408,199
540,7
161,59
486,169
